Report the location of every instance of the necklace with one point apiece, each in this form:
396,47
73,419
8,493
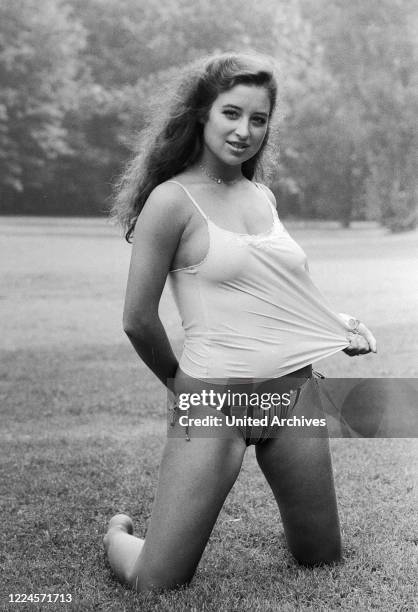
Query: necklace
217,179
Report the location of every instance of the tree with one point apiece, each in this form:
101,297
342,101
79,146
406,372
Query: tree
132,47
79,76
39,68
370,49
323,153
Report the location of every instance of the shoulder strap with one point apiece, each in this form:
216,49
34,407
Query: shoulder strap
190,197
264,192
262,188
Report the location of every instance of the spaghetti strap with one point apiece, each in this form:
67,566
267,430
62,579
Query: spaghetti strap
273,209
261,188
191,198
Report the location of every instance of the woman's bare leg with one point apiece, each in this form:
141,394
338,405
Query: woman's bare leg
298,468
195,478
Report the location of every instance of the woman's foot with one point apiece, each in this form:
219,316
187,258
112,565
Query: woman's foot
118,522
123,521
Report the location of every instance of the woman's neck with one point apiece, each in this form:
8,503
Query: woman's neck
219,172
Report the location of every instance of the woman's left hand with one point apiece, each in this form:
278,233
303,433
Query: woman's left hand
361,339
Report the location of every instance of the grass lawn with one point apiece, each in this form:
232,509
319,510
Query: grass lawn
83,424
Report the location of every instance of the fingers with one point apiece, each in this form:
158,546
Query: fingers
349,352
361,343
358,345
367,334
363,346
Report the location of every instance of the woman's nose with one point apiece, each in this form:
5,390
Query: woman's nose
242,129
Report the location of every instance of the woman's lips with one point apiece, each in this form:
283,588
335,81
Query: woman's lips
237,146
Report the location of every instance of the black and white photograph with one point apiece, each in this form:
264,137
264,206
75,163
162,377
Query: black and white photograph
209,297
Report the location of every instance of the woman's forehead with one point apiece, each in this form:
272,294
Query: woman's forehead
253,97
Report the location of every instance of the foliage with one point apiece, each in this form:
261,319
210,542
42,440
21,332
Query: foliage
370,49
78,78
39,69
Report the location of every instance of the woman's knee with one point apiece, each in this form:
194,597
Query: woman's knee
159,579
319,553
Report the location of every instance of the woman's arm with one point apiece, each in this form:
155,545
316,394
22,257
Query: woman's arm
157,234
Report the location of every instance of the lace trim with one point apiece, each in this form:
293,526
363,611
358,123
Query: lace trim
266,241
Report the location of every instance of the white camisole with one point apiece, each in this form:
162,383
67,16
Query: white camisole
250,310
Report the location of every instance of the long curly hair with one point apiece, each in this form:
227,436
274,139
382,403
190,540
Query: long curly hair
172,141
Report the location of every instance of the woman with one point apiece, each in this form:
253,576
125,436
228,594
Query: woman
250,312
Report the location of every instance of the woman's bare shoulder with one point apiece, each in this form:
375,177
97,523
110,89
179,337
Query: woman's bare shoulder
170,200
167,192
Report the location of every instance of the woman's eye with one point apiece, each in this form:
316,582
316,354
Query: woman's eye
231,113
260,120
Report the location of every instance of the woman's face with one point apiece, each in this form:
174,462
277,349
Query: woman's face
236,125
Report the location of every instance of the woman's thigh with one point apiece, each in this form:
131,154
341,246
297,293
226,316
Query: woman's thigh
194,480
297,465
